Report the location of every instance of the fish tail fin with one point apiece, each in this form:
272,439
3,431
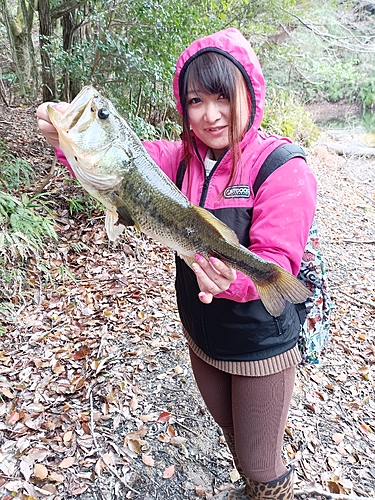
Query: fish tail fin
285,287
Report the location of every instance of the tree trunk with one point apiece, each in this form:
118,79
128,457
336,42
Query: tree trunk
45,33
69,23
19,28
28,10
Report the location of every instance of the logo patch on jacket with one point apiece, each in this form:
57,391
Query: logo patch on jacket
241,191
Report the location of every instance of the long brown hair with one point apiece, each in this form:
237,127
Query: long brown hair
213,73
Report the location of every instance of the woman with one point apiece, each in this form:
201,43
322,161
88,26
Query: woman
243,359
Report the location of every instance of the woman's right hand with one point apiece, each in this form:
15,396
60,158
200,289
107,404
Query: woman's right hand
44,123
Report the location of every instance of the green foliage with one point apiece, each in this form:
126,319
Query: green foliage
26,223
366,92
328,56
7,315
13,171
368,121
285,115
23,230
337,81
83,203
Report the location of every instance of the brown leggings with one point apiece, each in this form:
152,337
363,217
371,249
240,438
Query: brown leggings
255,409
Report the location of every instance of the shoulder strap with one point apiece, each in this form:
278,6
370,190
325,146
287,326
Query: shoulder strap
274,160
180,174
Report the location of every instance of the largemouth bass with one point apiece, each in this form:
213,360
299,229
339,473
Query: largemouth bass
111,163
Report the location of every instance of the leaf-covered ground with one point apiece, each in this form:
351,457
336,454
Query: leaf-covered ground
97,398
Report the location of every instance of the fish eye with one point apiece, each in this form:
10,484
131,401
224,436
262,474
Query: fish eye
103,113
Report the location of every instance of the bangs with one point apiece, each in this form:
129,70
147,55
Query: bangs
211,73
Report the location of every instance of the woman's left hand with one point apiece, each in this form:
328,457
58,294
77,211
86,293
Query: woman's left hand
213,277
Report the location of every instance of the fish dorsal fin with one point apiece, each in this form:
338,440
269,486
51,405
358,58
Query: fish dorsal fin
222,229
124,216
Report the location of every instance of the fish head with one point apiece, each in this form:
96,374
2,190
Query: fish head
91,132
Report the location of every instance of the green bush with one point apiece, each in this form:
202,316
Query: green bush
285,115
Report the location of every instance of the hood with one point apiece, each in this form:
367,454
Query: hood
232,44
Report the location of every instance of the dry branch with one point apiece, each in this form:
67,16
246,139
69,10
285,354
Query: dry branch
359,301
331,496
49,176
371,242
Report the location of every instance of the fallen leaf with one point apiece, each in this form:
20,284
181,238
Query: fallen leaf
82,353
168,472
200,491
40,471
148,460
57,478
234,475
25,470
338,438
67,462
164,417
133,403
7,393
68,436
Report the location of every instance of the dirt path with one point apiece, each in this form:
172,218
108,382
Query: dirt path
98,397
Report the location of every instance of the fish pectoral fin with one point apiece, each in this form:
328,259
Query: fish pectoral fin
113,229
188,260
285,287
222,229
124,216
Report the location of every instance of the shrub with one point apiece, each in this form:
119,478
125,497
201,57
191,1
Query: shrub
285,115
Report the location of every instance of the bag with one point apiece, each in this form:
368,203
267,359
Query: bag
314,334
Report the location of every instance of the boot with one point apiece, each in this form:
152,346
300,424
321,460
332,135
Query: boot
278,489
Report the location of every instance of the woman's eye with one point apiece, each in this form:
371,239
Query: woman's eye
194,100
223,96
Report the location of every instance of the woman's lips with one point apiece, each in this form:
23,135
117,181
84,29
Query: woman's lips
215,130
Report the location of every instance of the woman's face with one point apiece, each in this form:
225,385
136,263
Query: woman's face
209,117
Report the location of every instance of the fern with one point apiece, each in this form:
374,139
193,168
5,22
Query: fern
19,218
14,171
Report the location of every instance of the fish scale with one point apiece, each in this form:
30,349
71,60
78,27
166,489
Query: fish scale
111,163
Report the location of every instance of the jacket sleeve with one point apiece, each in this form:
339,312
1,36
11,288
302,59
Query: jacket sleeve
62,159
166,154
283,211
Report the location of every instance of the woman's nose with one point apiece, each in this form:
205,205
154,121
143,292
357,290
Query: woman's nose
212,112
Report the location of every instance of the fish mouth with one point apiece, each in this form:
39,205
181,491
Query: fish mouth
72,115
78,117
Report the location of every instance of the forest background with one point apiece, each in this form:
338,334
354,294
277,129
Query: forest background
308,50
73,406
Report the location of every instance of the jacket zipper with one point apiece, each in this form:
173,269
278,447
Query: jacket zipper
207,179
279,329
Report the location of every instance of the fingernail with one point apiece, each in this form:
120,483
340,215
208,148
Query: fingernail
214,261
197,256
195,268
201,295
